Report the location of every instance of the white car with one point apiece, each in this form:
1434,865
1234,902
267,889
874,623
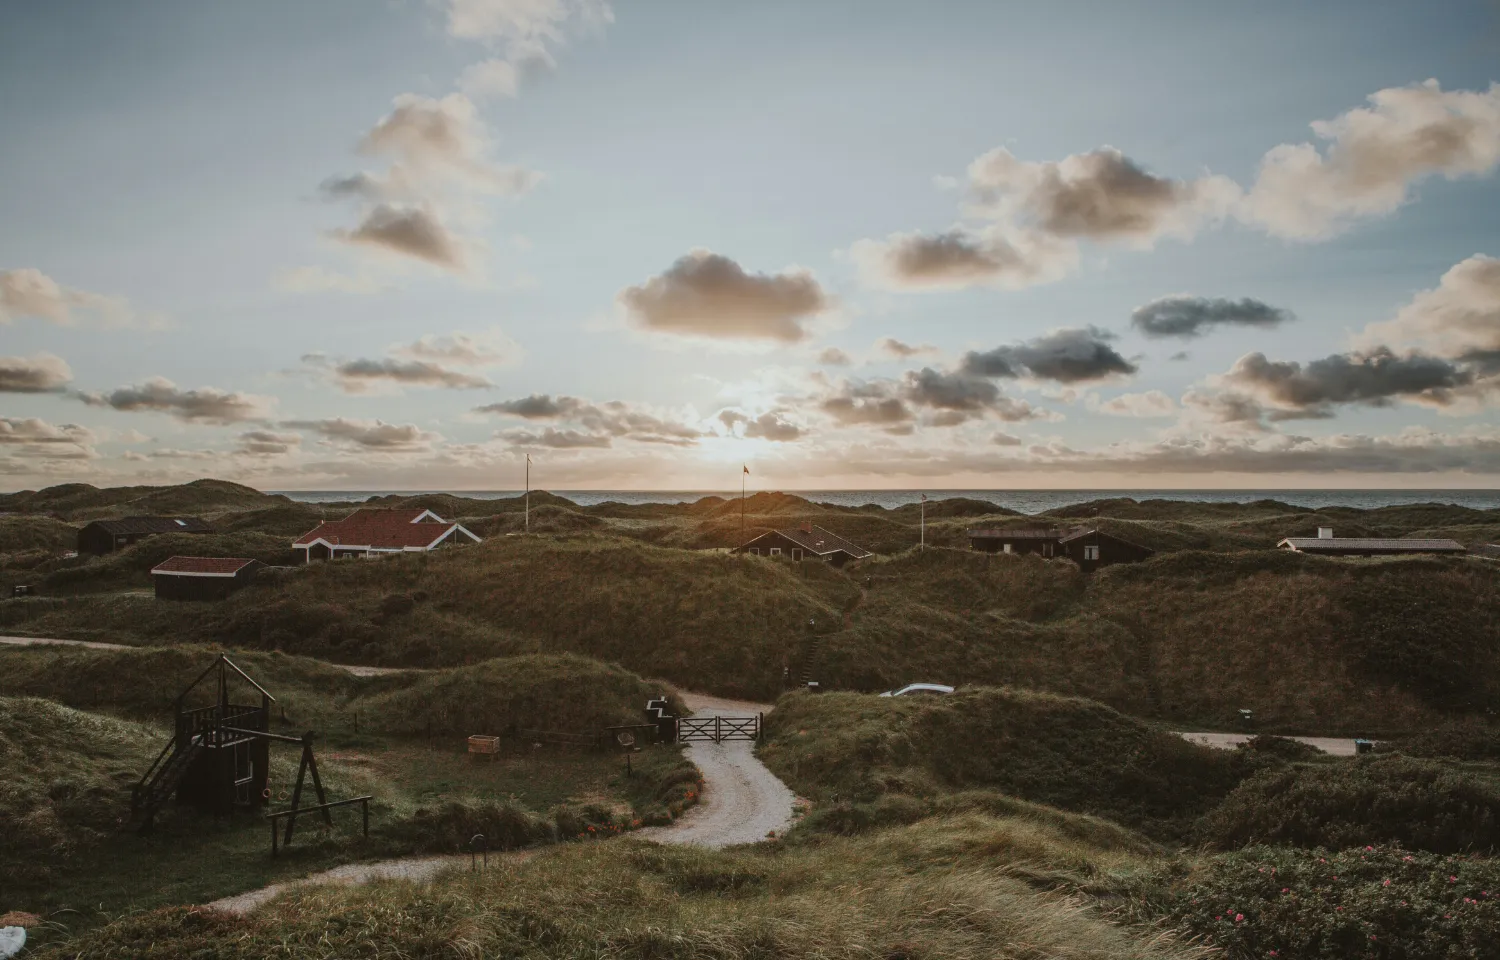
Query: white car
911,688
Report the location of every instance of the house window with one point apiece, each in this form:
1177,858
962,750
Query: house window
755,550
1046,549
775,551
1091,553
1007,548
796,553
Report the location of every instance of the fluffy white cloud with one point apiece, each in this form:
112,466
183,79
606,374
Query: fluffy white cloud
1374,156
28,292
1152,403
1459,319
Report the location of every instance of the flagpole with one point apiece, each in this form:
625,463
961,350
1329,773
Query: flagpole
924,523
743,473
528,493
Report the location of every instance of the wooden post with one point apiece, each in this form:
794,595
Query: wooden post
364,807
273,838
312,765
291,821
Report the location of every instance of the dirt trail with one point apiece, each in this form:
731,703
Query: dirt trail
417,869
356,669
742,801
1337,746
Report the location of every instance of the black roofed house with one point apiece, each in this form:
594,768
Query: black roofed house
1327,545
1088,547
107,536
202,578
805,542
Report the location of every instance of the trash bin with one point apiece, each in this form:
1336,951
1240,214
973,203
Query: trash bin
1246,718
1364,746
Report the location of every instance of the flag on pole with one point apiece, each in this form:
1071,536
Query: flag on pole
747,469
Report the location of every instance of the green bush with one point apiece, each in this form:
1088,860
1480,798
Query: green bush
1421,804
1373,902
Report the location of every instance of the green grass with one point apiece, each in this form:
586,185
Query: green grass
954,888
1063,752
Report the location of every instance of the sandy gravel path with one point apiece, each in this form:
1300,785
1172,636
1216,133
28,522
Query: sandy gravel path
417,869
1337,746
742,801
356,669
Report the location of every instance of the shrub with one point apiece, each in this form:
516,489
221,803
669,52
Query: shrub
1422,804
1376,902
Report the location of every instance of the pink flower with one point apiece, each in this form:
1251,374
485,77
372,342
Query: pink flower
1286,889
1452,879
1238,917
1386,884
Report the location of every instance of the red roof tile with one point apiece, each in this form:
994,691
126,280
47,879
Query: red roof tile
214,566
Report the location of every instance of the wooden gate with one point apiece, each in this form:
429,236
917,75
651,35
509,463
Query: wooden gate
717,729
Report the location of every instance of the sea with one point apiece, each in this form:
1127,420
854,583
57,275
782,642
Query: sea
1024,501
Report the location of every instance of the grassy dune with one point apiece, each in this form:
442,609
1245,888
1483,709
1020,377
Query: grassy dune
941,889
1312,645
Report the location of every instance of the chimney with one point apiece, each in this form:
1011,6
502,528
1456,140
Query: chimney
1325,533
806,526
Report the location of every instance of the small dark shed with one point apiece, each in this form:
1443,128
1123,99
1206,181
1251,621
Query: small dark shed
202,578
1088,547
107,536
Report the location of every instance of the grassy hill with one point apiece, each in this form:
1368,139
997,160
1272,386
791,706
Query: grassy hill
1312,645
82,501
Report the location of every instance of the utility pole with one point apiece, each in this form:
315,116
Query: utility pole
528,493
923,544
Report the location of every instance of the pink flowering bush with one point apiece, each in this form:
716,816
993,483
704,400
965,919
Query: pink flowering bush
1383,903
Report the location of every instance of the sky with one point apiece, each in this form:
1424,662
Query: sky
406,244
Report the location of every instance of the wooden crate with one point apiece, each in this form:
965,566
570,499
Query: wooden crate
485,746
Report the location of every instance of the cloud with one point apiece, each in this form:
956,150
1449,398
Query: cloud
491,78
960,258
268,443
705,294
1067,356
1101,195
33,431
1187,316
834,357
28,292
527,30
358,376
556,439
1152,403
1226,408
1459,319
376,435
41,373
1374,156
771,425
489,349
613,418
903,351
1000,439
1376,378
411,232
439,169
949,398
204,405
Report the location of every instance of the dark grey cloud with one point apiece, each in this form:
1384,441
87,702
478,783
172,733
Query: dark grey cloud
376,435
771,425
961,258
613,418
360,185
555,439
413,231
268,443
41,373
1187,317
708,295
1067,356
204,405
1377,378
903,351
948,398
357,376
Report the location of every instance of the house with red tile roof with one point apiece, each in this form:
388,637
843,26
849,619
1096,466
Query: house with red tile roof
373,532
202,578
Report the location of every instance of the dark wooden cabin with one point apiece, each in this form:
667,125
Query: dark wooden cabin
1088,547
805,542
202,578
107,536
218,758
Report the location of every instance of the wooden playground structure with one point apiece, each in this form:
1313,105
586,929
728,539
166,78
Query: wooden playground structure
218,759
